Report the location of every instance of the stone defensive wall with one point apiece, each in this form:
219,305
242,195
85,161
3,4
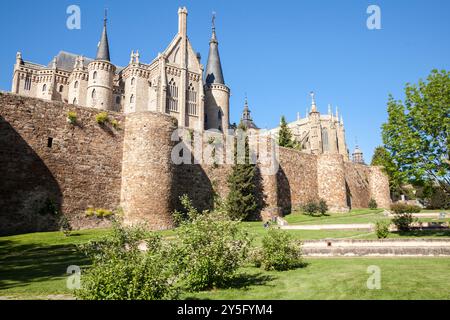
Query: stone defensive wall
48,164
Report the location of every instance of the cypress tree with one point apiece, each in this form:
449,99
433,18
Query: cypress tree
285,138
241,200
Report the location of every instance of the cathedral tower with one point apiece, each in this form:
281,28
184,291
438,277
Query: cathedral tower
78,83
315,129
217,94
101,76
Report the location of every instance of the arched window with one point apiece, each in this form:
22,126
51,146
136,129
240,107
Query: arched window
325,139
132,98
192,100
133,80
27,82
75,101
44,88
75,85
94,94
94,75
61,88
172,97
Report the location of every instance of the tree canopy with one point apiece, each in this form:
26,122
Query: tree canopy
417,132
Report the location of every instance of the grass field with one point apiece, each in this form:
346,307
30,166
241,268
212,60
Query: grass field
34,266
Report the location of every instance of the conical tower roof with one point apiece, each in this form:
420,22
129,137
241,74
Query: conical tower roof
214,72
103,46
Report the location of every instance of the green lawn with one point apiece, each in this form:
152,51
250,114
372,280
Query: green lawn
34,266
354,216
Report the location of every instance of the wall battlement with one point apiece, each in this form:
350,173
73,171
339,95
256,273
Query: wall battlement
44,158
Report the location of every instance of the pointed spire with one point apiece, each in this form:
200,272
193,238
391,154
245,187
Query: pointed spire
103,46
298,116
214,72
342,121
337,112
313,102
329,110
246,117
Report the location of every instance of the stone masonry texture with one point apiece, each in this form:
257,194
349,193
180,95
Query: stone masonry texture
46,162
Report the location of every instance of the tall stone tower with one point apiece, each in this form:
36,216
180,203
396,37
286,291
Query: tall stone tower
217,94
316,129
78,83
101,76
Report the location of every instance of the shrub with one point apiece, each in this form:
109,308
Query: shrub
382,229
72,117
400,208
323,206
310,208
120,271
49,208
373,204
115,124
280,252
403,221
210,248
103,213
89,212
102,118
65,226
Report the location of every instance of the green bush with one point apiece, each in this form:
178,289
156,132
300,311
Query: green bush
72,117
400,208
209,250
65,226
115,124
279,252
99,213
102,118
310,208
121,271
403,221
373,204
382,229
323,206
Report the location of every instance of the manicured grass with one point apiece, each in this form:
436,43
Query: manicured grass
345,278
354,216
35,265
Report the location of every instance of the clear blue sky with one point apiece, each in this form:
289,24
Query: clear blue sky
276,51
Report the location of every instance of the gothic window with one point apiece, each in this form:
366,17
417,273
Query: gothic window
132,98
75,101
75,85
94,75
61,88
172,97
94,94
133,80
117,100
192,101
325,139
27,82
44,88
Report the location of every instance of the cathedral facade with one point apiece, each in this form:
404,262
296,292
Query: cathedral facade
174,83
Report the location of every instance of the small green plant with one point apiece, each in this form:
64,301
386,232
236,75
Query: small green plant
72,117
403,221
102,118
89,212
115,124
99,213
323,206
400,208
311,207
65,226
279,252
382,229
373,204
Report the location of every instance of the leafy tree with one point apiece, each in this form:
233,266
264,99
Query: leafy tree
241,200
382,157
285,138
417,132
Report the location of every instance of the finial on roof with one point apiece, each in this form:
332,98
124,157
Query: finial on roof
342,120
313,102
329,109
105,19
214,73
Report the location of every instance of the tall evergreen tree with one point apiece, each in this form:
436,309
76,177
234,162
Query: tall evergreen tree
285,138
241,200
